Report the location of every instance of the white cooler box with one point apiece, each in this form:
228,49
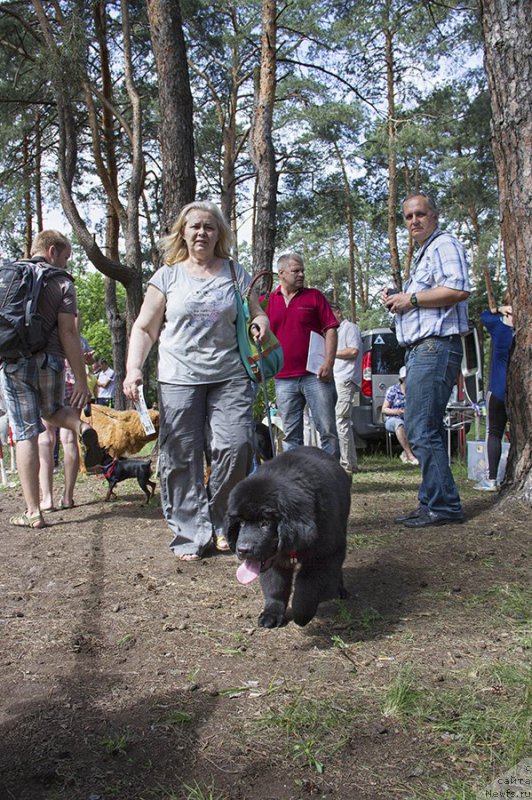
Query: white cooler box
477,461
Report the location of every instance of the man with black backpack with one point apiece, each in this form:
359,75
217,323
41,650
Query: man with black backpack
37,332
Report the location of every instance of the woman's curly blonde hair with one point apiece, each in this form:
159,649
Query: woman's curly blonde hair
174,248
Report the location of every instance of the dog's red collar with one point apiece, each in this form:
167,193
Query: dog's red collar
110,469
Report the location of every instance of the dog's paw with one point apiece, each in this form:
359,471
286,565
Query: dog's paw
268,619
343,594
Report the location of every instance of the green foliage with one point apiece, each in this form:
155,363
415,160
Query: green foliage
90,291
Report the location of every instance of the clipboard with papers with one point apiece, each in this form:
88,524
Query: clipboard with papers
316,352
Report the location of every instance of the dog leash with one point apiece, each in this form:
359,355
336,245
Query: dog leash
264,388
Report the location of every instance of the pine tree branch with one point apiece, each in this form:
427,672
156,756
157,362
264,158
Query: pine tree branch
336,77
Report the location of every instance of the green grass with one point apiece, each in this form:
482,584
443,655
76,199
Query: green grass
524,638
366,620
192,677
313,730
299,714
309,751
486,721
512,601
230,651
344,615
146,450
116,745
477,721
402,695
508,674
190,792
126,640
344,649
174,718
455,791
358,541
196,792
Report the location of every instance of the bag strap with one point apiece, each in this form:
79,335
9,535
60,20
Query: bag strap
266,398
265,275
419,254
259,348
233,276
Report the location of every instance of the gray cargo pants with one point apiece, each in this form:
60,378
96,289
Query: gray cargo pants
193,511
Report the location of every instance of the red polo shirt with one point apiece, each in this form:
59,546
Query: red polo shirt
307,311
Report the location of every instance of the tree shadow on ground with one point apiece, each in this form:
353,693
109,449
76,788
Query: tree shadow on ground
65,743
379,594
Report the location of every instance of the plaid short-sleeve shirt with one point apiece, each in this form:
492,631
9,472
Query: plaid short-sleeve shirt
440,262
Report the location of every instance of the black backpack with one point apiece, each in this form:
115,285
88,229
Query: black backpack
22,330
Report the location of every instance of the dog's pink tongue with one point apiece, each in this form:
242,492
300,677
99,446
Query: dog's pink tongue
248,571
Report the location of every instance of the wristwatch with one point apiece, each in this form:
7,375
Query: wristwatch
413,300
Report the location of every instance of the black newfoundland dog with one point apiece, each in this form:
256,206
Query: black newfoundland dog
292,510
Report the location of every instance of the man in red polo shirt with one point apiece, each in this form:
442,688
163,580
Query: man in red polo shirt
294,312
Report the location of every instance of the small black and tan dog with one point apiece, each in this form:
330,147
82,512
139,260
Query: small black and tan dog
116,470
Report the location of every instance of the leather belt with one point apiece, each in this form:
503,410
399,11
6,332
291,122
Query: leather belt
428,338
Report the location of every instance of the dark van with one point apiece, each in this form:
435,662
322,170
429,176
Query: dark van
382,359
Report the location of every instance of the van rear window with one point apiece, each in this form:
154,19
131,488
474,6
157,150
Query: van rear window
388,358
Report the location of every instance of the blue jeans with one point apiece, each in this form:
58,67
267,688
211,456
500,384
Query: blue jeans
292,394
432,369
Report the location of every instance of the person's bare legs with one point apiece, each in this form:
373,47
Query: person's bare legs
71,463
68,417
27,451
46,444
403,441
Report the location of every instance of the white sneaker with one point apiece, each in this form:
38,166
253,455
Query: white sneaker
403,457
486,485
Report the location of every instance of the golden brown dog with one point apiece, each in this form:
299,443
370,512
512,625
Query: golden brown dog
120,432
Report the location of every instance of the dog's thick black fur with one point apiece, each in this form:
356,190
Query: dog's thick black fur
120,469
263,442
292,509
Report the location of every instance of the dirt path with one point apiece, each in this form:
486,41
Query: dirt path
126,674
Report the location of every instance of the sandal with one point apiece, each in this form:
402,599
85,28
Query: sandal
50,510
221,543
25,521
66,506
188,557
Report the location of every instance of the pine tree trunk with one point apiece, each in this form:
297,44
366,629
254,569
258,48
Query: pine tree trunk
28,225
176,132
350,233
117,323
507,33
392,162
261,145
38,173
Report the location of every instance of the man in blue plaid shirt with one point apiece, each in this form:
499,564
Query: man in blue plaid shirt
430,316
